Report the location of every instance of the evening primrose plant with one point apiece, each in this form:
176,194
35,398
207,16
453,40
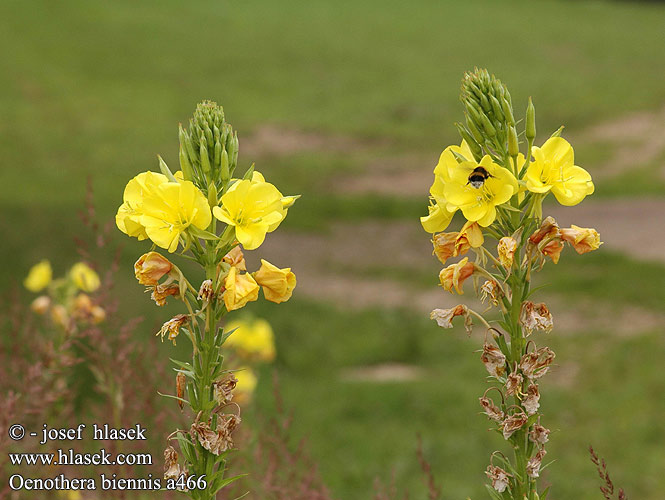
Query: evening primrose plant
500,191
203,213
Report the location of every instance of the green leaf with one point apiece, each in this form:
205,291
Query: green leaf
165,169
200,233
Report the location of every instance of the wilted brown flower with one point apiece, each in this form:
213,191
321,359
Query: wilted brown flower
491,410
513,423
172,469
536,317
533,465
536,364
151,267
548,229
172,327
444,317
552,249
206,292
490,290
532,401
161,292
224,388
539,434
499,477
236,258
455,274
494,360
506,251
582,239
514,384
444,246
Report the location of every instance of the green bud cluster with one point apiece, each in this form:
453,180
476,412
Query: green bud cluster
208,149
490,122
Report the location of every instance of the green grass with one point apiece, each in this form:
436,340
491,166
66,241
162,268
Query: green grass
614,412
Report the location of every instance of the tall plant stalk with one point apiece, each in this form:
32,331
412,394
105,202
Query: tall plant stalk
206,215
500,191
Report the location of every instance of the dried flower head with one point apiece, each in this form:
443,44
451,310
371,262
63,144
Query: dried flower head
552,249
500,478
444,317
444,246
151,267
490,291
539,434
514,384
172,469
536,317
224,388
506,251
206,292
532,401
172,327
582,239
235,258
513,423
548,229
536,364
491,410
494,360
455,274
533,465
161,292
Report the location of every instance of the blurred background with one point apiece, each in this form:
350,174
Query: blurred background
350,103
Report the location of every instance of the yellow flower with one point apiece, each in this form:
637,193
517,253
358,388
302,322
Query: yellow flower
252,339
277,284
441,212
84,277
254,207
170,209
583,239
478,199
128,218
554,169
39,276
438,219
151,267
239,289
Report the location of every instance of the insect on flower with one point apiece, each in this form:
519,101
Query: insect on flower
478,177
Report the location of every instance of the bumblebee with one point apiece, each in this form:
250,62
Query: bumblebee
478,177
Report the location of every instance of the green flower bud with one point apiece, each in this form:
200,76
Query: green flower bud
203,155
530,121
507,111
225,172
212,195
474,130
513,144
496,108
217,159
473,145
487,126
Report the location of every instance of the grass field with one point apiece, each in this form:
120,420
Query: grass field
349,103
